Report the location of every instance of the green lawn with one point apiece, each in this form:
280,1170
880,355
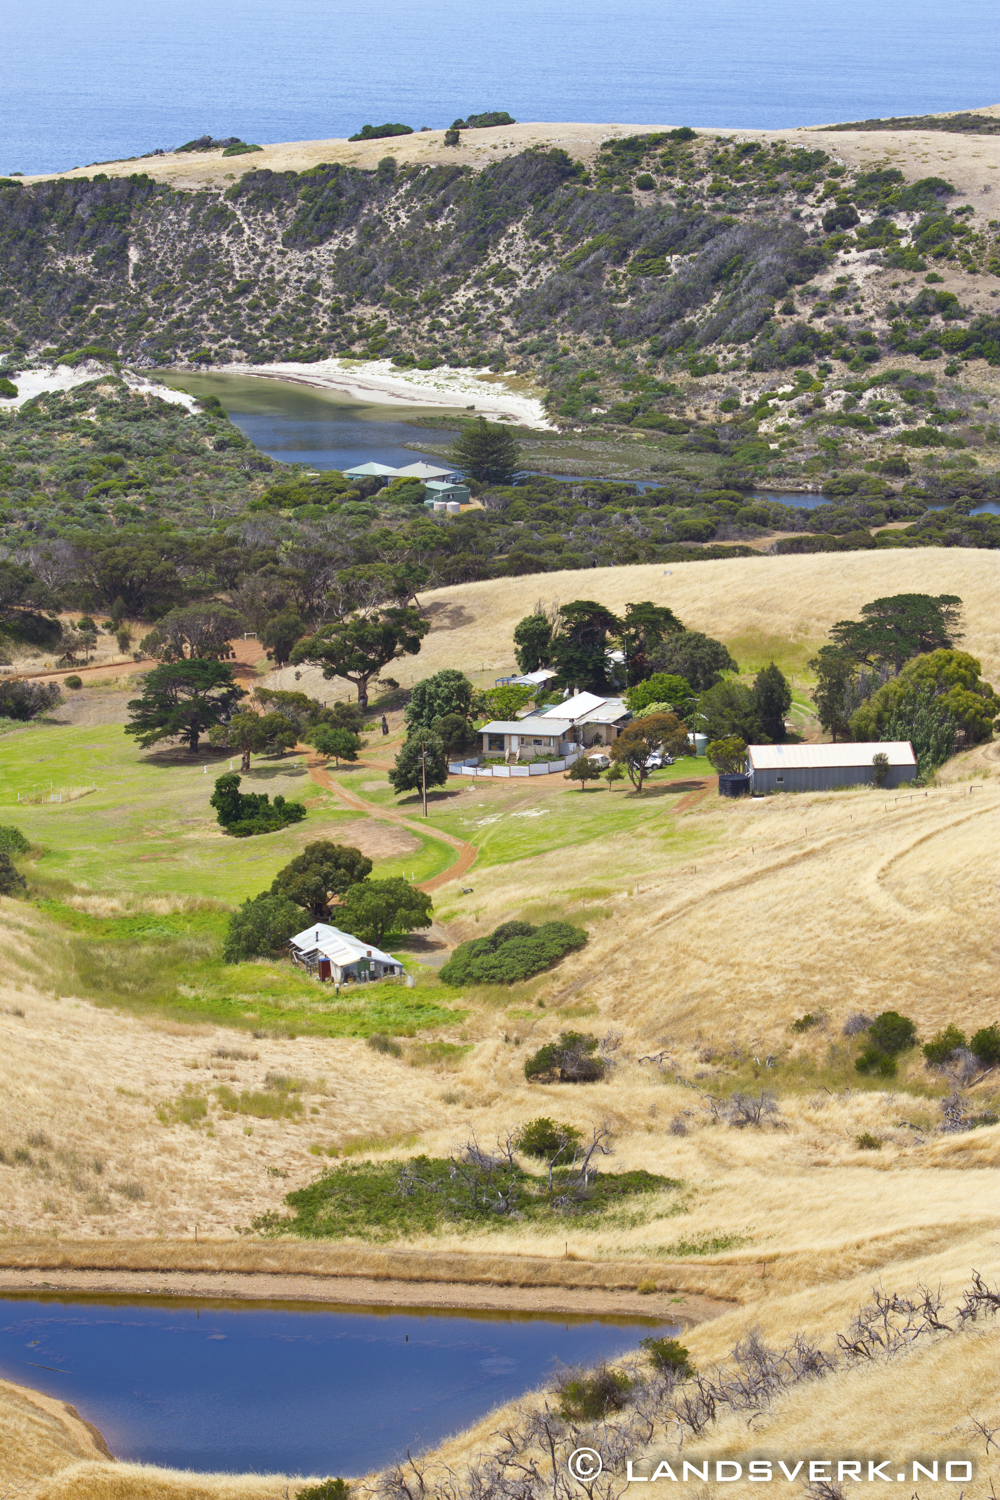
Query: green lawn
147,826
513,819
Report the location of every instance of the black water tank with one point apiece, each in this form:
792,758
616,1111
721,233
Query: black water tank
734,786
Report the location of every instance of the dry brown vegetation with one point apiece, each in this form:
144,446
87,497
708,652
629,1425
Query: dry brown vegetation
716,928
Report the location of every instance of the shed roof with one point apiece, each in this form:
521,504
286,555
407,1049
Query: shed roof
533,724
424,471
819,757
370,469
341,947
573,708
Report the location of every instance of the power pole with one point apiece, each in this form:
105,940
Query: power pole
423,775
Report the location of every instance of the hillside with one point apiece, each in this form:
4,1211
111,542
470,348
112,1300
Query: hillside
640,279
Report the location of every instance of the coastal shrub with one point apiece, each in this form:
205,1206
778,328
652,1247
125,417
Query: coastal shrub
543,1138
387,1200
7,387
379,1042
589,1398
378,132
888,1035
571,1059
26,700
668,1356
72,681
12,841
327,1489
512,952
943,1046
867,1142
12,882
243,814
985,1044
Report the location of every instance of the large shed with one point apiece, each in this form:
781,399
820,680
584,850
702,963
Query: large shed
817,768
334,954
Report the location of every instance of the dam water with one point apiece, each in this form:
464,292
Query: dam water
287,1388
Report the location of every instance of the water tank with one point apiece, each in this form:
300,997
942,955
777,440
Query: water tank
440,505
454,508
698,743
734,786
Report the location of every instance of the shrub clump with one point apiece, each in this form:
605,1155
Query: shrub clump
512,952
888,1035
544,1139
571,1059
379,1042
260,927
668,1357
589,1398
12,882
12,841
943,1046
243,814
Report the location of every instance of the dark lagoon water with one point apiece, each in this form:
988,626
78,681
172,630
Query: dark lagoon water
83,83
299,424
286,1389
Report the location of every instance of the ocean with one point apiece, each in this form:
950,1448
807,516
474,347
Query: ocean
113,78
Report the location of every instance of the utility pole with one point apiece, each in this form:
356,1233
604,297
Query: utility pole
423,775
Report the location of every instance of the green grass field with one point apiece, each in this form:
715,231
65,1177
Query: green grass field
147,827
510,820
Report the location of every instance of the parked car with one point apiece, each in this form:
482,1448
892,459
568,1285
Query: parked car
657,760
600,759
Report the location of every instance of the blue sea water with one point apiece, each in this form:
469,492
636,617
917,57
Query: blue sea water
293,1389
82,83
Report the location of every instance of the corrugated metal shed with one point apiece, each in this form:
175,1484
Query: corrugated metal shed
817,768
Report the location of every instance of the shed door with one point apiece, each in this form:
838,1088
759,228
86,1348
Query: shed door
324,968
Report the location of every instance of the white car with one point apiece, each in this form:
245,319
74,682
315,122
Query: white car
657,760
599,759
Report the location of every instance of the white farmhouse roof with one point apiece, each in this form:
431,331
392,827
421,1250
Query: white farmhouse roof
574,708
818,757
341,947
533,724
531,679
371,470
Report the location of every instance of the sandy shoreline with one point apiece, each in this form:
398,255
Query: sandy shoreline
362,1291
379,382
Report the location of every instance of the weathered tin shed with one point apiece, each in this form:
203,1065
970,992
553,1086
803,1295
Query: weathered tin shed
817,768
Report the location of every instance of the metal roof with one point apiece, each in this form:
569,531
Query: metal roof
424,471
817,757
371,470
572,708
341,947
534,724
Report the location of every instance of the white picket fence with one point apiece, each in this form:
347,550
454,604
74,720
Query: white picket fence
544,768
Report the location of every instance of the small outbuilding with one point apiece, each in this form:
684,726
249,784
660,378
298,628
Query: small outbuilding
332,954
818,768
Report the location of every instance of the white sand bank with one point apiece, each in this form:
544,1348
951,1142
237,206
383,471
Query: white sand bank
65,377
378,381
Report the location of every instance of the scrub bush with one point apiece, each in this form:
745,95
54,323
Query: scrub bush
985,1044
943,1046
512,952
669,1357
570,1060
12,841
590,1398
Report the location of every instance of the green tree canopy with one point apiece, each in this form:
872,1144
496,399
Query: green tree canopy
447,692
934,700
374,908
243,814
640,739
893,630
183,700
202,631
728,709
772,698
644,627
322,870
503,702
580,647
835,671
406,774
12,882
456,734
728,756
486,453
252,733
280,634
261,927
335,743
533,642
696,657
661,687
583,770
359,648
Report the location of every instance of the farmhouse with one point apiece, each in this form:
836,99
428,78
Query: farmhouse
817,768
563,729
337,955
